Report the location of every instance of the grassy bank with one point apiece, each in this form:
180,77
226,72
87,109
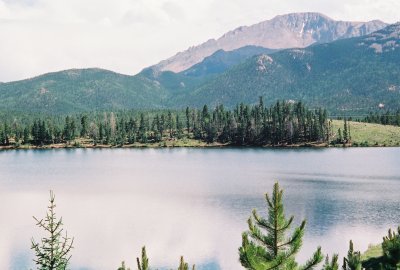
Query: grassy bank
80,143
366,134
373,258
373,251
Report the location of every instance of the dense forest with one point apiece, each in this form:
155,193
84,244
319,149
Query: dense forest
284,123
386,118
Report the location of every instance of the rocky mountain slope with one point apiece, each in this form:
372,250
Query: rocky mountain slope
348,75
221,60
296,30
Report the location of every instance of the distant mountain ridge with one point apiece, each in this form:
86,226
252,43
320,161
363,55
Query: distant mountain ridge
347,75
295,30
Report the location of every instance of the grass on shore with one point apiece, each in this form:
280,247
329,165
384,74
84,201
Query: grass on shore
87,143
366,134
373,251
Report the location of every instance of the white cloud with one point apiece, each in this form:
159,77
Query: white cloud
39,36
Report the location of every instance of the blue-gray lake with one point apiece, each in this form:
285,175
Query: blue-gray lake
192,202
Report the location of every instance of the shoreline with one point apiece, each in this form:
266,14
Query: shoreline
182,145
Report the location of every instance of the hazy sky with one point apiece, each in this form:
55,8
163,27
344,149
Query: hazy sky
39,36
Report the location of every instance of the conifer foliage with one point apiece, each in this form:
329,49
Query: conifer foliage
123,267
353,259
53,251
184,266
333,264
391,250
283,123
144,264
266,244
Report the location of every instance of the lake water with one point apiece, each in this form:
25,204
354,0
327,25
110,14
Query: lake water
192,202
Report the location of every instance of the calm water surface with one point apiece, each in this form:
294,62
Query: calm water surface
192,202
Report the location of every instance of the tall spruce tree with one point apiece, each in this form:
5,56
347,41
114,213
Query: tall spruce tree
25,139
266,245
84,126
179,127
53,252
6,135
353,259
187,112
144,263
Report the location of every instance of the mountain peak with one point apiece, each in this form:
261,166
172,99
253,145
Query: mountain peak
294,30
303,16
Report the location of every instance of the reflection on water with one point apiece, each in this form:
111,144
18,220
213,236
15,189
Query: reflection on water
192,202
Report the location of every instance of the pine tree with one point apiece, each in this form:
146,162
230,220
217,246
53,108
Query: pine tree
42,133
93,132
179,128
6,135
345,132
331,265
53,252
265,245
112,127
143,129
340,137
1,136
25,139
144,265
123,267
69,129
348,132
170,124
184,266
84,126
121,134
353,259
187,112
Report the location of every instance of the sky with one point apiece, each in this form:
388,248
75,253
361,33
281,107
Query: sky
39,36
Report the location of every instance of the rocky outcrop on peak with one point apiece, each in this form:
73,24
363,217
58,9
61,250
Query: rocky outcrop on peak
296,30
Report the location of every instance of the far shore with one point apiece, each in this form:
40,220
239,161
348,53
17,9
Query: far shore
177,144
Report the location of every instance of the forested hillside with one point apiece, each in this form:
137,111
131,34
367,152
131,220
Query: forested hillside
78,90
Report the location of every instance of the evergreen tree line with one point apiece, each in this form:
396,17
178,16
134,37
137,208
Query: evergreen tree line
343,135
270,243
282,123
386,118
